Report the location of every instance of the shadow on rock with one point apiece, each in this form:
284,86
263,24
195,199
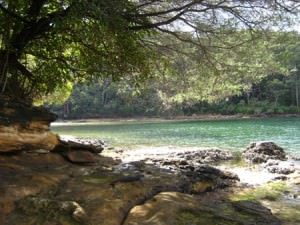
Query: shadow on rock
50,188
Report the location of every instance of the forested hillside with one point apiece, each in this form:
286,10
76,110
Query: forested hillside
258,77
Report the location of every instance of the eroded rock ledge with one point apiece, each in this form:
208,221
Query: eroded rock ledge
23,127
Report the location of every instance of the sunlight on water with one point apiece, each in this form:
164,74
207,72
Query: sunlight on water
225,134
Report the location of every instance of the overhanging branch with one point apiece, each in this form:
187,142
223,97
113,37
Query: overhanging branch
35,8
35,29
12,14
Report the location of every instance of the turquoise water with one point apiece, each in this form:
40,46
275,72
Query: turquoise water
225,134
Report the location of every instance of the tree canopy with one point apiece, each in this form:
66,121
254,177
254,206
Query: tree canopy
46,43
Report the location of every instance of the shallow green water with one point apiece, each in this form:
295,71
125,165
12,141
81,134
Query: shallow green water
225,134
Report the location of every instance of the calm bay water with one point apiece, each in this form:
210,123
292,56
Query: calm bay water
226,134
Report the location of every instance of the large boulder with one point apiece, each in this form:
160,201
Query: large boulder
261,152
168,208
24,127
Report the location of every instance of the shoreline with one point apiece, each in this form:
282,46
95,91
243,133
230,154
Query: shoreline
226,160
207,117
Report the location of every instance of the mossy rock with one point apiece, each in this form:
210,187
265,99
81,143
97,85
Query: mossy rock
41,219
202,218
270,191
37,211
237,213
287,210
289,213
202,186
171,208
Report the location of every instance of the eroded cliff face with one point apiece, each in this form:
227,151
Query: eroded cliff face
24,127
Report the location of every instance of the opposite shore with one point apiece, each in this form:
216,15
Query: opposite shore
176,118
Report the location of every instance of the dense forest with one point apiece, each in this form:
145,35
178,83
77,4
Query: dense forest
275,94
260,77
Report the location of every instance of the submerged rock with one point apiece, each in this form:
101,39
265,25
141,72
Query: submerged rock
263,151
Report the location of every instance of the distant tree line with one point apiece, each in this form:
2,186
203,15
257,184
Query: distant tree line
275,94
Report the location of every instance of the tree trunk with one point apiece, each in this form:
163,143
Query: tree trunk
13,76
66,110
248,97
4,64
297,91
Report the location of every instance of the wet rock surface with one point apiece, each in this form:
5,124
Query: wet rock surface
263,151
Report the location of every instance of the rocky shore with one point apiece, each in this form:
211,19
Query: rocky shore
83,182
